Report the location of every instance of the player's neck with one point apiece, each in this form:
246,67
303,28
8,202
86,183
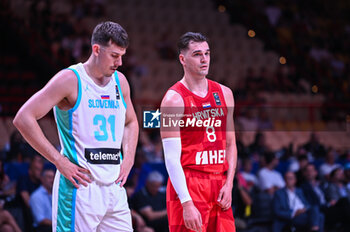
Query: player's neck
197,86
94,73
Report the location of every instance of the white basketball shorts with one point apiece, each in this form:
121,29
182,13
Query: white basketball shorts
93,208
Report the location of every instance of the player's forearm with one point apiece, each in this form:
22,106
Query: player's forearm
32,133
172,156
130,137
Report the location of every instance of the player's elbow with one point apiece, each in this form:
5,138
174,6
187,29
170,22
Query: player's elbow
132,123
19,120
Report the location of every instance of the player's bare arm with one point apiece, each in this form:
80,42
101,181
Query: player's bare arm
131,132
225,194
173,104
61,90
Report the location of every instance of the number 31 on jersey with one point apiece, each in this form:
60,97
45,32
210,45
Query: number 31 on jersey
101,134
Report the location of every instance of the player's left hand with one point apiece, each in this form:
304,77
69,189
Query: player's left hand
225,197
125,168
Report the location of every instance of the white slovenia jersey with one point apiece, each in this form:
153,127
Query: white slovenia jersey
91,132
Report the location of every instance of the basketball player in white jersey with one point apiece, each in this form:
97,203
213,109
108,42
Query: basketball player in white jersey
95,119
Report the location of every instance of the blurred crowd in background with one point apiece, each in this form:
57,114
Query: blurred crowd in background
312,41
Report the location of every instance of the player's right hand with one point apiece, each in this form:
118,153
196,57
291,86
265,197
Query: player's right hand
72,172
192,217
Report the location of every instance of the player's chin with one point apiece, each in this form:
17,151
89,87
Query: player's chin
110,73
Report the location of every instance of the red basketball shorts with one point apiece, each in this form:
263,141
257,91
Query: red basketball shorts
204,189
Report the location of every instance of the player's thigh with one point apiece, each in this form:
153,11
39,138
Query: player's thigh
200,198
75,209
118,217
221,220
91,205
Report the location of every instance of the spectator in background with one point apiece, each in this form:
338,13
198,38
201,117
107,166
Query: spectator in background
247,174
7,188
138,223
269,179
41,202
294,165
291,208
136,169
150,202
302,162
152,147
18,149
315,147
26,185
347,175
329,165
241,199
312,190
7,222
258,147
336,191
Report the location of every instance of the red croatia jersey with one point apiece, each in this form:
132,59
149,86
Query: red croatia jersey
203,132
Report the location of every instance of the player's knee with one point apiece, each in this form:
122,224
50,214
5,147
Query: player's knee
6,228
5,215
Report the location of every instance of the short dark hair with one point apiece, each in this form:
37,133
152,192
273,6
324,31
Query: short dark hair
186,38
110,31
269,157
302,157
333,172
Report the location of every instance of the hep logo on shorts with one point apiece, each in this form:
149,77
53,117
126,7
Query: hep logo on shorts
151,119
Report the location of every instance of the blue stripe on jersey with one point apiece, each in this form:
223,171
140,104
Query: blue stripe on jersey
66,191
74,197
79,90
119,87
65,126
66,205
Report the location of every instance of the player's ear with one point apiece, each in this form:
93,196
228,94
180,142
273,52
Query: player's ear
182,58
96,49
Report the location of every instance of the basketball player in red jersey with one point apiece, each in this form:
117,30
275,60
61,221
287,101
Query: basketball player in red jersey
199,144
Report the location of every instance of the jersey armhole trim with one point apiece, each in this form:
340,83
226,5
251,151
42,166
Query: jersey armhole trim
223,94
79,90
119,88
